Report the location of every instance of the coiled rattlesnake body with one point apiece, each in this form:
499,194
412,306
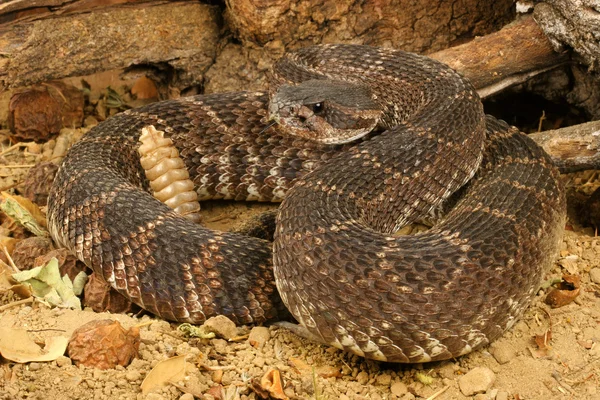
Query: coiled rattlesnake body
339,268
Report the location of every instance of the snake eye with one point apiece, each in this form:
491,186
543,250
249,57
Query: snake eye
317,108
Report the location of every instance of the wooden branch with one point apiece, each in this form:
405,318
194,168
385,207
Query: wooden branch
510,56
181,35
574,148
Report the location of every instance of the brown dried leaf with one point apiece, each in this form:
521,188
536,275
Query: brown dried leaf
272,384
171,369
543,341
216,392
16,345
104,344
565,292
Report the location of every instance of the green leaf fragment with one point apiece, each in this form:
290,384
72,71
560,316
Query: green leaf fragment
14,210
47,285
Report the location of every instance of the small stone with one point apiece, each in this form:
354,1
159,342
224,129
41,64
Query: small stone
259,362
221,326
502,352
502,395
63,361
154,396
34,366
398,389
219,345
595,275
362,378
478,380
133,375
384,379
186,396
259,335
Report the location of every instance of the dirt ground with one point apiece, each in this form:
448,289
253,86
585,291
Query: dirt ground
511,368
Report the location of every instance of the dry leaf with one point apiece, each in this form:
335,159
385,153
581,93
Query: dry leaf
47,285
565,292
272,384
8,283
171,369
104,344
543,341
16,345
29,206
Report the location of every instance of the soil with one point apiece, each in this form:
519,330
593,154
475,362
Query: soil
513,367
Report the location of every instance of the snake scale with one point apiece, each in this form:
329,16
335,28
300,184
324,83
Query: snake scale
367,140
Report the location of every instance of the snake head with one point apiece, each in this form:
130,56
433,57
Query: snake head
329,112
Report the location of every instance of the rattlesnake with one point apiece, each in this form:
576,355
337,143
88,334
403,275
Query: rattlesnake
339,267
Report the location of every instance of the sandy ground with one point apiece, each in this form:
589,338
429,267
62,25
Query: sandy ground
511,368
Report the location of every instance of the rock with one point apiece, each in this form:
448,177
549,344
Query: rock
186,396
398,389
133,375
478,380
384,379
595,275
63,361
221,326
502,352
362,378
34,366
502,395
259,335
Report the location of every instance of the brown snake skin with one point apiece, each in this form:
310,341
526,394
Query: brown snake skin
338,266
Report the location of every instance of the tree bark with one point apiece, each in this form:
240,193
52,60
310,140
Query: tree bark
574,148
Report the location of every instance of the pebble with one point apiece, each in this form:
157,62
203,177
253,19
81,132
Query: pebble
221,326
259,362
502,395
34,366
478,380
503,353
398,388
63,361
186,396
362,378
133,375
154,396
384,379
259,335
595,275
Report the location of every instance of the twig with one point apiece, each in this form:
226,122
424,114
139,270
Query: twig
11,263
17,303
13,147
439,392
18,166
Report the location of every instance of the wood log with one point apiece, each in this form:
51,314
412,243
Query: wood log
573,148
508,57
180,37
